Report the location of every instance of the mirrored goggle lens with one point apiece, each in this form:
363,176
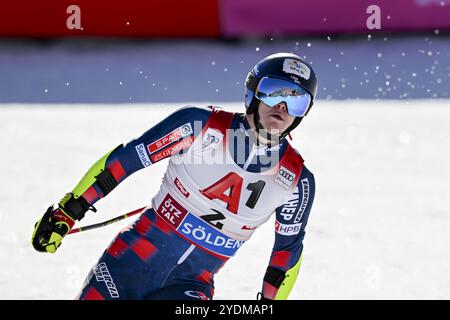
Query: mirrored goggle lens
273,91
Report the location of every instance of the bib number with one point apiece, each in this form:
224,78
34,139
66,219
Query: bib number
228,189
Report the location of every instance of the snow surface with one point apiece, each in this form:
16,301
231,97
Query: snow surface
379,227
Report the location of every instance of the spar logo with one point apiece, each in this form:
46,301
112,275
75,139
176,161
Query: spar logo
180,132
285,177
173,149
287,229
102,275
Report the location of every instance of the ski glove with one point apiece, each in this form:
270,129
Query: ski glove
50,230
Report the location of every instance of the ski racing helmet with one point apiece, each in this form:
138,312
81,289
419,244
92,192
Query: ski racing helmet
281,77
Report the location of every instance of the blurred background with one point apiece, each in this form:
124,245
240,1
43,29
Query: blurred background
201,50
79,77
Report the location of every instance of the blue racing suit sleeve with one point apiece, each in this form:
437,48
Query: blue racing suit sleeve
290,224
171,136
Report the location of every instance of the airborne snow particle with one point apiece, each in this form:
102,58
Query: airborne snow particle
257,49
308,44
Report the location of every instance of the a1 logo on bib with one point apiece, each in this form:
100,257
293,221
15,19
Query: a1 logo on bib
296,67
285,177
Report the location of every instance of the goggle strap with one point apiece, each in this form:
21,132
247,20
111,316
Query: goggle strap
252,82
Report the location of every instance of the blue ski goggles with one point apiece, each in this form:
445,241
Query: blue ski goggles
273,91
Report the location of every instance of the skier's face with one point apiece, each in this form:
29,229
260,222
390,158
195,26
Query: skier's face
276,119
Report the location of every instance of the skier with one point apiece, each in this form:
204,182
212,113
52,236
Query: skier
227,174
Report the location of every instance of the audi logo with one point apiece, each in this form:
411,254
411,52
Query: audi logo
286,175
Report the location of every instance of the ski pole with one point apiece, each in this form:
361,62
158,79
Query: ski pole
107,222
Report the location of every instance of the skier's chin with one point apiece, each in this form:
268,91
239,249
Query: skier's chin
270,134
274,127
